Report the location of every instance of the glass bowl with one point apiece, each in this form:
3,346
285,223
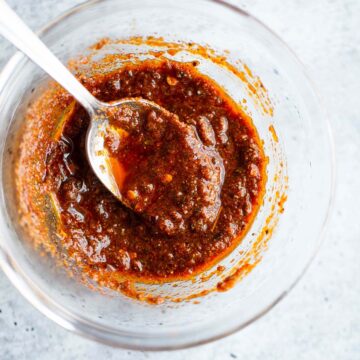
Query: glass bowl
300,158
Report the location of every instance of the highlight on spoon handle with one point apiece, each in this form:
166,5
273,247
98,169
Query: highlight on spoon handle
17,32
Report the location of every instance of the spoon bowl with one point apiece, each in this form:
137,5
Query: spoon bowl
97,153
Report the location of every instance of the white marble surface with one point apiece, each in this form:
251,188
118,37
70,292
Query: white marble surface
320,319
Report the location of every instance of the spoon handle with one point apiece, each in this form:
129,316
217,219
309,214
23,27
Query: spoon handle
17,32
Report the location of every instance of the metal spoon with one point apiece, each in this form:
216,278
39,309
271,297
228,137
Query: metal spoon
17,32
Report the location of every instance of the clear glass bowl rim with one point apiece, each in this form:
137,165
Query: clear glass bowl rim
91,330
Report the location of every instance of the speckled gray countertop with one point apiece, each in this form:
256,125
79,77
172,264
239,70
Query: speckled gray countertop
320,319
